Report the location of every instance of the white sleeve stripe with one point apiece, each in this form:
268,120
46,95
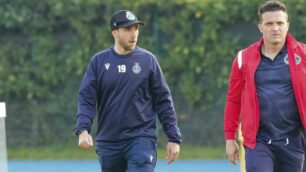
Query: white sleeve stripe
240,59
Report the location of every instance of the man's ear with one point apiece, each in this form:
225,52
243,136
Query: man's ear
259,28
288,26
114,33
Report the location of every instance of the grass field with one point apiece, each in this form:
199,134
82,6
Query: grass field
73,152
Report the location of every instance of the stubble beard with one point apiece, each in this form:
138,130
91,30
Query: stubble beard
126,46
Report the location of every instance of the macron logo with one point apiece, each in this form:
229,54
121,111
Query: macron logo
107,65
151,158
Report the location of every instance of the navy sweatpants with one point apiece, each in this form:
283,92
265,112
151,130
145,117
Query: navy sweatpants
135,155
286,155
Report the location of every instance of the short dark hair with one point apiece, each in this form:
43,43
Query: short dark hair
271,5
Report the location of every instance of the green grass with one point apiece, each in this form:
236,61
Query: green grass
191,152
73,152
53,152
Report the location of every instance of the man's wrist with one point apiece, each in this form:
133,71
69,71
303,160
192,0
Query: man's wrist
175,141
81,131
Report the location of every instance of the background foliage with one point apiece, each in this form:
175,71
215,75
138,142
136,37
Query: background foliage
45,47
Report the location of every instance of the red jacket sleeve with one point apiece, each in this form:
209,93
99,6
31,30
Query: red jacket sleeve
233,101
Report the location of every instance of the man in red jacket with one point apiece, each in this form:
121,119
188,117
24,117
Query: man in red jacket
267,94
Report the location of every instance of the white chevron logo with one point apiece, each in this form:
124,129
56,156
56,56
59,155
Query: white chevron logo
151,158
107,65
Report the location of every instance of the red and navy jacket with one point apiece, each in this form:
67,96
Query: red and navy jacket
242,101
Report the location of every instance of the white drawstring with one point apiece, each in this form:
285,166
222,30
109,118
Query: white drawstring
269,142
287,141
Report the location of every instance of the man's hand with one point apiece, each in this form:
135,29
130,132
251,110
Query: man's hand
85,140
232,151
173,151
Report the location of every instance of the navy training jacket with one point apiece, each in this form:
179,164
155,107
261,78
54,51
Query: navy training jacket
127,92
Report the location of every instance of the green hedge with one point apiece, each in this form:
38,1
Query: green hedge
45,47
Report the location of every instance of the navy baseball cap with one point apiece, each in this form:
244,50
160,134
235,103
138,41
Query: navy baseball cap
123,18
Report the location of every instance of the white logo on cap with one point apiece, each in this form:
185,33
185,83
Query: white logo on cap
130,16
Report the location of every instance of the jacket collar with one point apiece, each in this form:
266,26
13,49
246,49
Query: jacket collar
291,42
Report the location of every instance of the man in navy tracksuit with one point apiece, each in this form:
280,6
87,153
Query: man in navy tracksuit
125,86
